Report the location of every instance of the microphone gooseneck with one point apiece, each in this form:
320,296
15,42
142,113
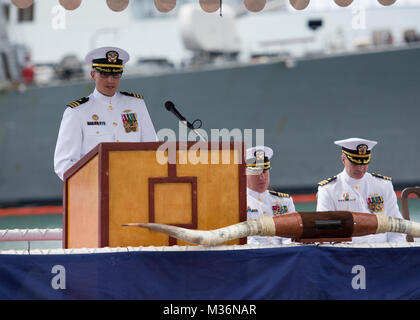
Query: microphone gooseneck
170,106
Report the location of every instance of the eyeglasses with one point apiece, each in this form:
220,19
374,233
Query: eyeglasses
105,75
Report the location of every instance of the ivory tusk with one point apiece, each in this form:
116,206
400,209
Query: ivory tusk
303,225
261,226
391,224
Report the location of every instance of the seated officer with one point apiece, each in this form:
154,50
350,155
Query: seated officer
105,115
260,200
354,189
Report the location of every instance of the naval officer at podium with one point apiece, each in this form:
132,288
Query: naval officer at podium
105,115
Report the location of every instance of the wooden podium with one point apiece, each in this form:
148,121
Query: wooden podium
199,186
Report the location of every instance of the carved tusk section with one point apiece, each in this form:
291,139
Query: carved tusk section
391,224
263,226
291,225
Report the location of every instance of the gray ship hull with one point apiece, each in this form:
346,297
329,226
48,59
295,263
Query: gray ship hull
302,109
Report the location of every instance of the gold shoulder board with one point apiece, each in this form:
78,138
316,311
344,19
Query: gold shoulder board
134,95
381,176
279,194
326,181
77,103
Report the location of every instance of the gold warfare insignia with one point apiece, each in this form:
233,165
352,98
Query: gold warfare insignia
130,122
362,149
346,197
112,56
127,111
95,121
375,203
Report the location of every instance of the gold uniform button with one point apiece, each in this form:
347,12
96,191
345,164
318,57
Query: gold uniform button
356,187
115,124
118,140
97,132
110,107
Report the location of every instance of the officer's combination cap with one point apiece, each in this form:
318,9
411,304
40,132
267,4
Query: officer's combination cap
107,59
258,158
357,150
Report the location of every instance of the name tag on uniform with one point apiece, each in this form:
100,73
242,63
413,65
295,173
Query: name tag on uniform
249,209
96,123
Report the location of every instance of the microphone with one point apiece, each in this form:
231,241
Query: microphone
169,105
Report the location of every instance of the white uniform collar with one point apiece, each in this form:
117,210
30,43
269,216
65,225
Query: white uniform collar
255,194
350,180
102,97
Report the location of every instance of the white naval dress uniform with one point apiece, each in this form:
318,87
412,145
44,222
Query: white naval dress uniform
370,194
268,204
100,119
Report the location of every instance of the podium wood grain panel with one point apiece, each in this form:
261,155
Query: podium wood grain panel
218,189
82,211
173,203
129,172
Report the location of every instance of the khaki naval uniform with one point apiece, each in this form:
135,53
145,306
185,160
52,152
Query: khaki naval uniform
98,118
269,203
371,194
